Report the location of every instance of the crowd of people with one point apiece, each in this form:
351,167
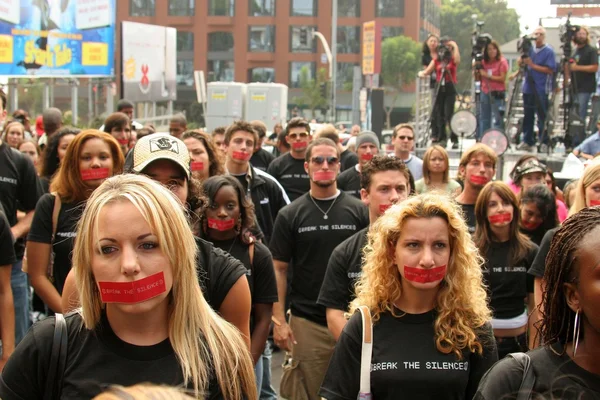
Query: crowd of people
183,258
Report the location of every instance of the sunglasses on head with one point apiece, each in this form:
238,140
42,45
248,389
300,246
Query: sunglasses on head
319,160
294,136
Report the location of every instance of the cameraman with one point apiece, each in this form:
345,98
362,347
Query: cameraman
448,58
583,66
493,87
540,65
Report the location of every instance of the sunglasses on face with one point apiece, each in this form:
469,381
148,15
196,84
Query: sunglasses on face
319,160
409,138
295,136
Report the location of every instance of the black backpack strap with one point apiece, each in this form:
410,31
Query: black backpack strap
528,381
58,359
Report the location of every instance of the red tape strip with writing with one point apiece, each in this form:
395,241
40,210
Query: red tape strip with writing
133,292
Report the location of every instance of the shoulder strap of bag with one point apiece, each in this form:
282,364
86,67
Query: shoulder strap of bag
366,353
55,212
251,252
528,376
58,359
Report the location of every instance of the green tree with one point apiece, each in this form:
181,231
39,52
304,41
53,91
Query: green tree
456,15
312,90
400,62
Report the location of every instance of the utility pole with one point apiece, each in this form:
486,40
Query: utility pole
334,12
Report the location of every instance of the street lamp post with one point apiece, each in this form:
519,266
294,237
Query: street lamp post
334,12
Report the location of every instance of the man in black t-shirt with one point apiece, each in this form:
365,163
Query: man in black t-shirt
260,158
384,182
367,146
19,183
583,67
305,234
7,315
288,168
478,167
265,192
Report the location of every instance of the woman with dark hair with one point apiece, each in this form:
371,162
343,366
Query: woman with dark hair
513,173
119,126
91,157
567,366
508,254
429,53
538,212
493,87
55,152
561,208
205,159
227,222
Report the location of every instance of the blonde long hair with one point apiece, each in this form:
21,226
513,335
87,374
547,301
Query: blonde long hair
461,301
590,175
200,338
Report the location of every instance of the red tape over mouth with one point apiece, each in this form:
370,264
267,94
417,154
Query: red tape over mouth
529,225
197,166
594,203
478,179
420,275
240,155
221,224
324,176
383,207
94,173
124,142
133,292
500,218
366,156
299,145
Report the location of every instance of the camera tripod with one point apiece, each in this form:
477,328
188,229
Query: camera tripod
425,138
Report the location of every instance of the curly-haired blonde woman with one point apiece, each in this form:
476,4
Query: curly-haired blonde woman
143,316
422,282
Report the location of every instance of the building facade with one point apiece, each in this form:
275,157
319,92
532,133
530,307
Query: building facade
271,40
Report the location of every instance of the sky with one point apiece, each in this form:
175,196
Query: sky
530,11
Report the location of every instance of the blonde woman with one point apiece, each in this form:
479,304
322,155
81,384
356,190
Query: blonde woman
143,316
143,392
436,171
422,283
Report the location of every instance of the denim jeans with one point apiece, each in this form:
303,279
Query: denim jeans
583,99
490,107
267,392
20,289
534,105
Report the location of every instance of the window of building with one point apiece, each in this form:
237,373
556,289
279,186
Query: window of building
185,41
220,41
300,70
141,8
304,8
430,12
345,75
348,8
391,31
348,39
222,8
261,8
389,8
261,38
263,75
181,7
185,72
302,40
220,71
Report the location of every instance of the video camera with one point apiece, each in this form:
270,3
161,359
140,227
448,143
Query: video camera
524,45
444,50
567,34
480,43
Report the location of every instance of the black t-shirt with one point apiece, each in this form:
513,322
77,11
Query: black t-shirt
19,183
556,377
302,236
243,179
261,159
343,270
536,235
508,285
349,182
405,363
7,250
469,215
585,82
348,159
539,263
290,174
217,272
96,360
66,231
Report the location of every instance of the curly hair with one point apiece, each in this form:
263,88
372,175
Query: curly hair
50,162
216,164
461,301
382,163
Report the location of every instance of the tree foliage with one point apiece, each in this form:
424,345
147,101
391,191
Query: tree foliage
456,21
400,62
312,93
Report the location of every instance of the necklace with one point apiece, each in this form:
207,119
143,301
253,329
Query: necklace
324,212
232,243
